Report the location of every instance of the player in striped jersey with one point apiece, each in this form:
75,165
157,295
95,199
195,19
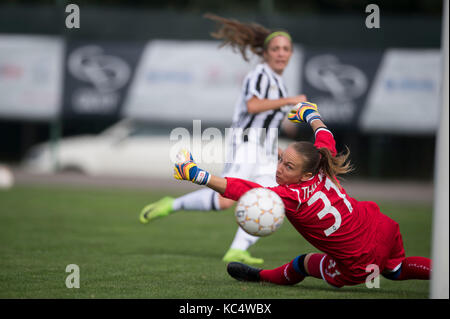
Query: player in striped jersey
259,112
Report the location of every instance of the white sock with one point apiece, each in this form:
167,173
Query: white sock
242,240
207,199
203,200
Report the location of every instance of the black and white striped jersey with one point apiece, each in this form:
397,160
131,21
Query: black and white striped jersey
263,83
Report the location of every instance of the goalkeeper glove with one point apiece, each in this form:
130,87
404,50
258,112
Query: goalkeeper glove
304,112
186,169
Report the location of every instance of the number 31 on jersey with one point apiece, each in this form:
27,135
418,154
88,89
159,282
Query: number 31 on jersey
328,208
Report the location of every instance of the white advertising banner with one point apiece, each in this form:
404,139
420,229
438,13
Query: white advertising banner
180,81
30,76
405,94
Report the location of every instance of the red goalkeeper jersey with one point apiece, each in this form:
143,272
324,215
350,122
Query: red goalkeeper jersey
326,216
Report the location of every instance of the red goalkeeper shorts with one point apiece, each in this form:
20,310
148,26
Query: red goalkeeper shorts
386,254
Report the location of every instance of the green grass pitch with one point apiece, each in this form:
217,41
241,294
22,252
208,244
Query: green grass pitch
44,229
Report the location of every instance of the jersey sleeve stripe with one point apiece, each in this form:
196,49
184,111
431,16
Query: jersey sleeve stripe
322,129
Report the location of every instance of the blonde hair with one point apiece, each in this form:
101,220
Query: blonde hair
241,36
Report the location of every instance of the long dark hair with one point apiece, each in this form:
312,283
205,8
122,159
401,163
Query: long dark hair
239,35
320,159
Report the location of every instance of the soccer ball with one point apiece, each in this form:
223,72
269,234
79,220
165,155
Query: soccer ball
260,212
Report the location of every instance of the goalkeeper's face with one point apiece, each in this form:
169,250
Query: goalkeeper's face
290,168
278,53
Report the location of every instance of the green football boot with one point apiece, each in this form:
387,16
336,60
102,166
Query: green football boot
158,209
243,256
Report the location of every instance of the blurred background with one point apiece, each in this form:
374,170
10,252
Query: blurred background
135,70
102,106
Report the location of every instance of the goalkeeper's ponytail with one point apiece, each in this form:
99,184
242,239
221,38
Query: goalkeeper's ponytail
332,166
321,159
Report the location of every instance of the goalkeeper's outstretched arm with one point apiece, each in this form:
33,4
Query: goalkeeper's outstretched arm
219,184
317,124
186,169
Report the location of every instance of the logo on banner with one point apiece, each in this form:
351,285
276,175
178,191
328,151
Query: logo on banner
343,83
106,74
